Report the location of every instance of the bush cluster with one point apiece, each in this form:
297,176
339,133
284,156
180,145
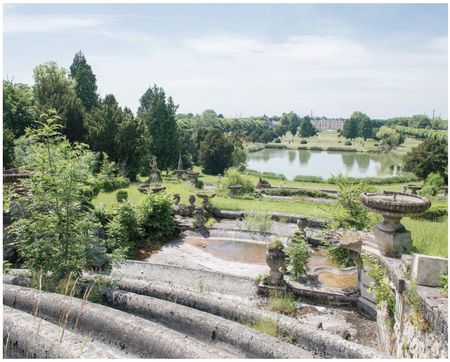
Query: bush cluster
296,192
147,225
269,175
233,177
340,256
299,254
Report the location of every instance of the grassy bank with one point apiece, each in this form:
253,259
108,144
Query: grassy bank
329,140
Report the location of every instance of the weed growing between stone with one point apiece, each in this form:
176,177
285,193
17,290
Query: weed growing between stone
340,256
265,326
380,286
417,316
283,302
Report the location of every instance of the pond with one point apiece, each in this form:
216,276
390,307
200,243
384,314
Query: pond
291,163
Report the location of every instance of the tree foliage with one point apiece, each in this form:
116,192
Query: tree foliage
216,152
306,129
54,89
18,104
429,156
389,138
57,232
158,114
85,81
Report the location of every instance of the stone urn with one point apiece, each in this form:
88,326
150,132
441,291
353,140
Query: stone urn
302,223
176,199
205,196
275,259
263,184
414,188
143,188
234,189
199,218
391,237
180,173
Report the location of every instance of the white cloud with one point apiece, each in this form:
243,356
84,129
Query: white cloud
45,24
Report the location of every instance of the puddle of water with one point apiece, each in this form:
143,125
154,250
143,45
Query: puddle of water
232,250
255,253
338,281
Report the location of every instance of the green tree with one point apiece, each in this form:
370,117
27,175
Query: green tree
85,81
429,156
158,114
420,121
56,233
8,148
53,89
102,125
209,115
389,138
364,124
216,152
18,104
131,144
350,128
306,129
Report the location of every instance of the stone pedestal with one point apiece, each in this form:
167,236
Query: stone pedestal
391,238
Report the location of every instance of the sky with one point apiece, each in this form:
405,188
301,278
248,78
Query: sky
386,60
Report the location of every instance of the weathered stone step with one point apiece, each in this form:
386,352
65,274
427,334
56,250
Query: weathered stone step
320,343
27,336
135,336
188,278
245,341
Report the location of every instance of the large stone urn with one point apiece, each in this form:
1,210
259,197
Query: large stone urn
391,237
275,259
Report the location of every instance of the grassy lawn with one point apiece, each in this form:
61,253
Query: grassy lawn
325,139
429,237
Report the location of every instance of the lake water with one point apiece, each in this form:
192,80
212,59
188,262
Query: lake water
323,163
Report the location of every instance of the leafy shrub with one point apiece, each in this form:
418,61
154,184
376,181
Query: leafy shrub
348,143
316,148
277,140
340,256
314,179
374,180
123,231
276,145
156,218
269,175
56,235
303,142
233,177
380,285
299,255
434,213
296,192
258,221
341,149
432,185
121,195
350,213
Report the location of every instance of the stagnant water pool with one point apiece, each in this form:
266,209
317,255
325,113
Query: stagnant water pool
250,252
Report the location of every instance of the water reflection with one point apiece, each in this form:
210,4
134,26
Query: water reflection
323,163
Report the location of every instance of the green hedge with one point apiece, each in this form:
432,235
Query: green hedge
433,214
296,192
314,179
376,180
422,133
355,180
269,175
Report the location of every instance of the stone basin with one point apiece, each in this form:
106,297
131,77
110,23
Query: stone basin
395,203
235,187
205,195
157,188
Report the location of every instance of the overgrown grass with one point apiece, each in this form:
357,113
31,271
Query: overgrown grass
430,238
283,303
265,326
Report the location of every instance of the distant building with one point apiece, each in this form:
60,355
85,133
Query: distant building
325,124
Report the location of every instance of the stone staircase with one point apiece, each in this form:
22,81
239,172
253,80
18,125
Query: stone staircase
160,311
